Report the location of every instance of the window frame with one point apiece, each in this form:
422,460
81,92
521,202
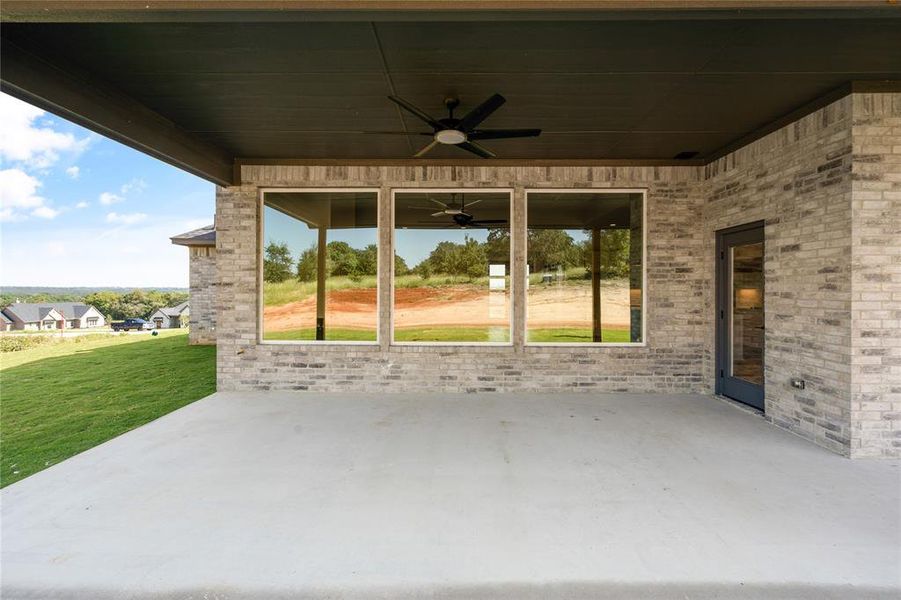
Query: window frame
644,266
261,250
454,190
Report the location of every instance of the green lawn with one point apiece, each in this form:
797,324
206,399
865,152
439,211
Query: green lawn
455,334
62,398
331,335
575,334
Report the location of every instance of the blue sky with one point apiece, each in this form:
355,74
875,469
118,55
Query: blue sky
78,209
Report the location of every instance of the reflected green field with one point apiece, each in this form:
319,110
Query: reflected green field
453,334
569,335
331,335
566,335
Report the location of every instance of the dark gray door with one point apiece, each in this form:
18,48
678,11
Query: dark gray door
740,314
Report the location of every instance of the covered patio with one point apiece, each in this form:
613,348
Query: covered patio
281,495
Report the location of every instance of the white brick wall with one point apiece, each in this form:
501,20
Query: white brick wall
674,360
829,189
876,276
203,283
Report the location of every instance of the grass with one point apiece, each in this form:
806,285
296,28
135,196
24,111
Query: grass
331,335
63,398
453,334
576,334
456,334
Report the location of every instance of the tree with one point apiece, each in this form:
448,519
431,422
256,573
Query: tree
137,303
277,263
469,259
552,248
473,261
307,264
615,245
342,260
400,266
497,246
368,260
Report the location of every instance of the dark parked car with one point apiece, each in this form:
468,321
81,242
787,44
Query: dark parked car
129,324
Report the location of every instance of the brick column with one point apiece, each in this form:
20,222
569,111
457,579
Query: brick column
237,235
876,276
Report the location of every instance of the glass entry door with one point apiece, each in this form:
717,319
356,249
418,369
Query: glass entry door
740,314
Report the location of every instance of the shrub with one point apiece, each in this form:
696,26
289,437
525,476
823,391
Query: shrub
15,343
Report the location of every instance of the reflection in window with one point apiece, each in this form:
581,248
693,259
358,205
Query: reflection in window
584,265
747,312
320,266
452,267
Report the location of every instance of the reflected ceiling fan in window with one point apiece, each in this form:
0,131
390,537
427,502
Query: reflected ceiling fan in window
464,132
459,215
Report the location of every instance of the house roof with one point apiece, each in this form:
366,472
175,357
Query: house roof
29,312
4,318
205,236
71,310
174,311
603,82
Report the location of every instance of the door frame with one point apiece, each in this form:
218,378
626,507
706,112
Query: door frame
722,355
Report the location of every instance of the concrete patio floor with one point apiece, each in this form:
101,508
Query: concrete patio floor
276,495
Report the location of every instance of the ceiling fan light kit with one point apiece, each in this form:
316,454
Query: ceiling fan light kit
451,131
450,136
459,215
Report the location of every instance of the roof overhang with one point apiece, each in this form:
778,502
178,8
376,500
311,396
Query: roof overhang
209,86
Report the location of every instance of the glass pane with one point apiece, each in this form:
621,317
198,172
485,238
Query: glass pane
327,295
585,271
452,267
747,312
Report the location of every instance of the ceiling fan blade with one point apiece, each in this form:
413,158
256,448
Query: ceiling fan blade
438,214
481,112
425,150
476,149
438,202
499,134
415,133
418,112
474,202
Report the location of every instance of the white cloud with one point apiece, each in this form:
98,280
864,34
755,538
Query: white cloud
135,185
129,219
82,204
73,172
18,189
19,195
24,142
45,212
107,198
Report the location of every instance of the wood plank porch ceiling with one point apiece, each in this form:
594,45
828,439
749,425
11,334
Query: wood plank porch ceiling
612,87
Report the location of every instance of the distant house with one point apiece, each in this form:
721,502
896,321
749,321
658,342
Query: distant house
5,322
171,317
27,316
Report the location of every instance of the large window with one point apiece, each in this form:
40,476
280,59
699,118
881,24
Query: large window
585,267
452,267
320,266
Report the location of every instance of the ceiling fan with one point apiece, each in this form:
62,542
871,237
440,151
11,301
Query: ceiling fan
462,133
459,215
